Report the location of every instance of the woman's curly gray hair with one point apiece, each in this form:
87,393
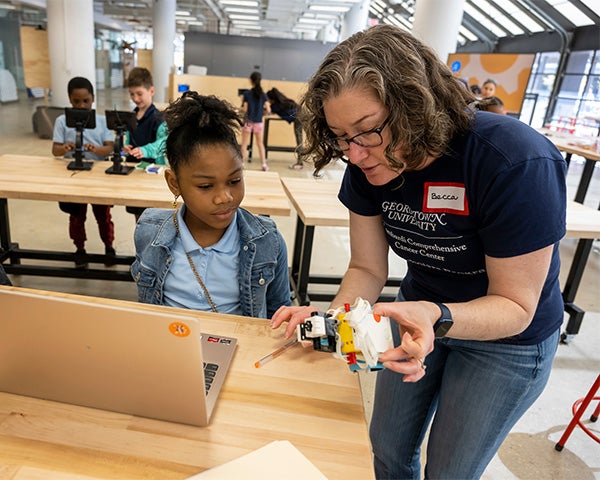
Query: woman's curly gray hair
426,104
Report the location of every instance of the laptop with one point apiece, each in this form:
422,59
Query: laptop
116,358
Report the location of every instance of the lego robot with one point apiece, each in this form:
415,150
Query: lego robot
352,333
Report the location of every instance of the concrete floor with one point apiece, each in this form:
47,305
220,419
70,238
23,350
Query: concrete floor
527,453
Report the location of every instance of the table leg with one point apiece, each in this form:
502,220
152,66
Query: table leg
297,253
301,260
4,226
266,137
584,182
582,252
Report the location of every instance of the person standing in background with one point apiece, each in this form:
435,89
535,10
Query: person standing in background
254,105
288,110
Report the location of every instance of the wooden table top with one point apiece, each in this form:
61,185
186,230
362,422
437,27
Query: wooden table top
47,178
572,144
306,397
316,203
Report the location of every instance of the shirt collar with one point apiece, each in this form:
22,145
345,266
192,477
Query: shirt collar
227,243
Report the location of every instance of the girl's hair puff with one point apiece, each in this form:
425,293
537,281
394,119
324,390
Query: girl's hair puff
195,121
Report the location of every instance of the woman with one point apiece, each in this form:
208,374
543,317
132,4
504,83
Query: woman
475,203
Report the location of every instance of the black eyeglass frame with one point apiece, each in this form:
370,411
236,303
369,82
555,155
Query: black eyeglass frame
377,130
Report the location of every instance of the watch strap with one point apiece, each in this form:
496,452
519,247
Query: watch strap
444,323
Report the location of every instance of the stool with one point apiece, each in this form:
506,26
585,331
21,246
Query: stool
579,408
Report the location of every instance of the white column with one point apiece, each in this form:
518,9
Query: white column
70,45
355,20
163,53
437,23
329,33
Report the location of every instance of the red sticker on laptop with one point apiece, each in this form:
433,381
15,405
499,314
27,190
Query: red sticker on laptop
445,197
179,329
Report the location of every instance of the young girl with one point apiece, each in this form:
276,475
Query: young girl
210,254
254,104
288,110
98,143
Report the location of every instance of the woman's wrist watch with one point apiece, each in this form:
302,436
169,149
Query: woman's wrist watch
444,323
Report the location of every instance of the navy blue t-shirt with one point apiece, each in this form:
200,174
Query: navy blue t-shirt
256,106
500,191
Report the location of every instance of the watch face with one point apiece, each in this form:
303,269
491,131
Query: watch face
442,326
444,323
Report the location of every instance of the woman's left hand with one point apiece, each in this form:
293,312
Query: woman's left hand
416,328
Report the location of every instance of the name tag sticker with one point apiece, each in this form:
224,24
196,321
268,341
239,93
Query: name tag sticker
445,197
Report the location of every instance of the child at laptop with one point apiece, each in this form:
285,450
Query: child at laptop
98,143
211,254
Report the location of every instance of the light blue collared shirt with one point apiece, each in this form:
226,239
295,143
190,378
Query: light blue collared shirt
217,265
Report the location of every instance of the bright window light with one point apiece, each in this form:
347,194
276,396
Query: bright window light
484,21
571,12
500,17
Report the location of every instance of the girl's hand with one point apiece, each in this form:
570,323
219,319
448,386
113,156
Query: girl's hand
415,321
293,315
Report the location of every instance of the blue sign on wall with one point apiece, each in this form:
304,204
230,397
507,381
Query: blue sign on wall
456,66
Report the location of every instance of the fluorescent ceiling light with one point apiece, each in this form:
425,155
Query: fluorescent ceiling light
244,17
251,11
182,13
328,8
313,21
240,3
321,16
307,28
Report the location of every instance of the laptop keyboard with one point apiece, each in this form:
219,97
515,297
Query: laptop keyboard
210,370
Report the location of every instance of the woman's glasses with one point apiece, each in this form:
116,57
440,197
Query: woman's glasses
370,138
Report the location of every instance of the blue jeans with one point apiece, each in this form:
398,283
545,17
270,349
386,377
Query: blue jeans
477,391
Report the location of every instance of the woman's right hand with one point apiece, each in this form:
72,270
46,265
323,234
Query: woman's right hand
294,316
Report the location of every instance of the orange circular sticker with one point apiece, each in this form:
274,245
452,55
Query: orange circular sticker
179,329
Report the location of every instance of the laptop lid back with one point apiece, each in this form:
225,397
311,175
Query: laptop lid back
111,357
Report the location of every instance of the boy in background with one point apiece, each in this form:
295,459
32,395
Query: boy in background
146,142
98,143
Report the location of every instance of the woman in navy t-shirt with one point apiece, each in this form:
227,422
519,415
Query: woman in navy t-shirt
476,205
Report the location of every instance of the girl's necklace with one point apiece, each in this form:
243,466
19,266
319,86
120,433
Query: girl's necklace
196,274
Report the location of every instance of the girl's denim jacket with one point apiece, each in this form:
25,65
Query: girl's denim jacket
263,266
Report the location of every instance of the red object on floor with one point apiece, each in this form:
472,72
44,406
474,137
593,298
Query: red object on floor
579,408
